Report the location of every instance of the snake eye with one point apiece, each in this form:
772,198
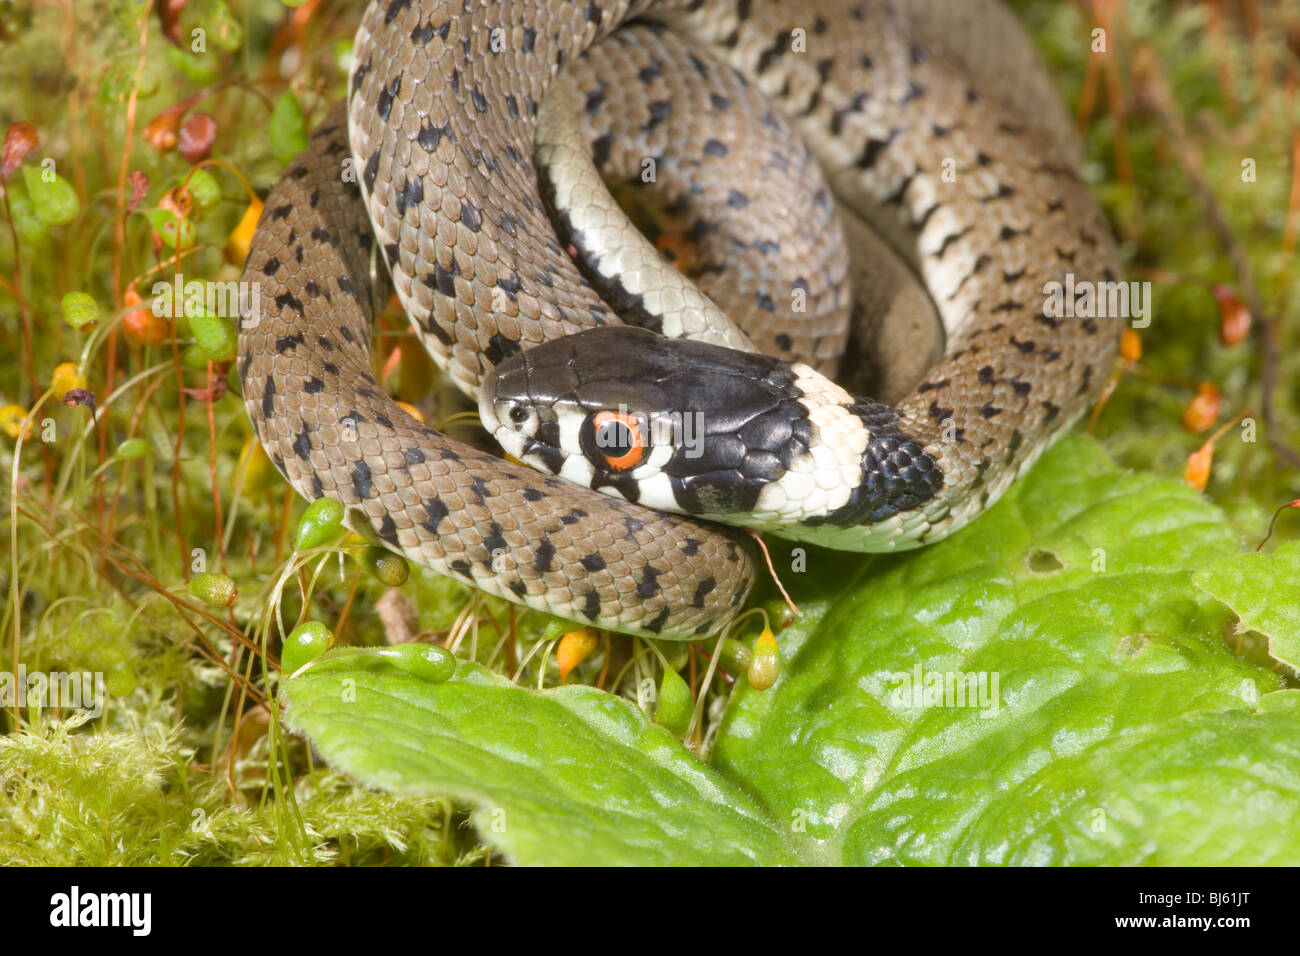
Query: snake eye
614,440
518,414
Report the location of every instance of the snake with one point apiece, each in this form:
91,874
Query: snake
887,184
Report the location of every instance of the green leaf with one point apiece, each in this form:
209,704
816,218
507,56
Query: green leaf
1262,591
1124,729
1116,727
288,128
567,776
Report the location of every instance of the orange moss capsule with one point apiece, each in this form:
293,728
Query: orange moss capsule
237,244
1197,472
1130,346
163,130
1202,411
412,411
140,324
574,648
1234,317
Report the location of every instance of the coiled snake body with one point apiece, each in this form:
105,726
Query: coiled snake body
933,120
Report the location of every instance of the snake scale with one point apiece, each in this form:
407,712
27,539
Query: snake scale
931,120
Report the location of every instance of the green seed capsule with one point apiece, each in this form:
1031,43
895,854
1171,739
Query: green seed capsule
735,656
80,309
308,641
53,198
389,568
216,337
675,704
131,449
177,233
765,667
425,661
321,523
214,590
203,187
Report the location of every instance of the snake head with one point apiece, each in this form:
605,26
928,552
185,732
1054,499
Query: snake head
672,424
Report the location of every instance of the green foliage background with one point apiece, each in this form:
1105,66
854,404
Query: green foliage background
1143,651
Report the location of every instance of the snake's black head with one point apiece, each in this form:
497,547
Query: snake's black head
673,424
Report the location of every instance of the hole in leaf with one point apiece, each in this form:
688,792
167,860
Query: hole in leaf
1044,562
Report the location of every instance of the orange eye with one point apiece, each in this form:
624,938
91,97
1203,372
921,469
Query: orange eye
619,440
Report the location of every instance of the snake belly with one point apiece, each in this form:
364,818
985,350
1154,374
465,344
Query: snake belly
932,120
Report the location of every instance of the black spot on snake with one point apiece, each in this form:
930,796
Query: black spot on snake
425,32
361,483
470,216
494,540
499,347
656,624
371,171
544,555
591,606
435,510
430,136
